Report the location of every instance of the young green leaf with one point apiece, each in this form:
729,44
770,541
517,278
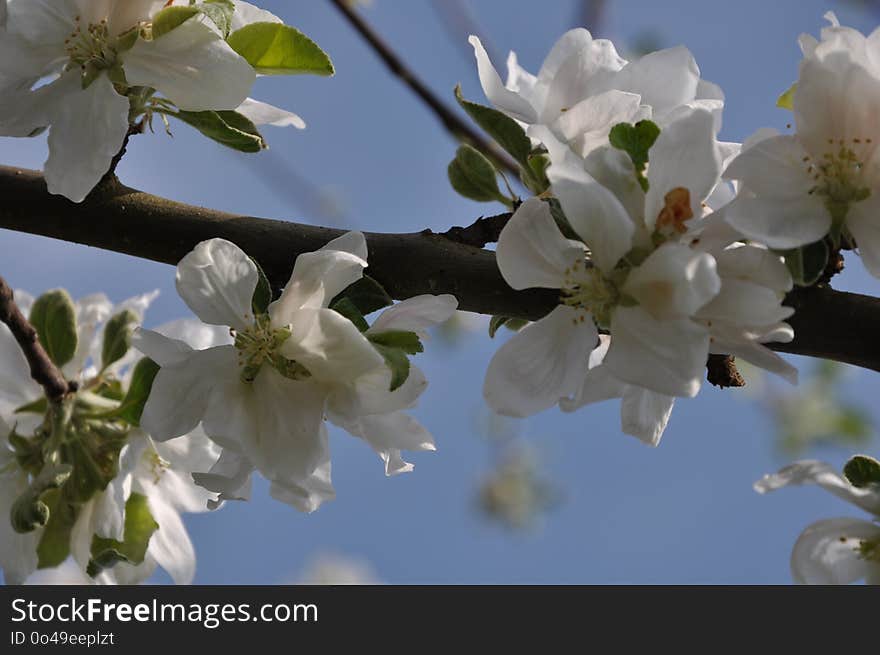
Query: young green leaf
636,140
366,294
474,176
506,131
139,528
862,471
408,342
228,128
786,100
54,545
132,405
171,18
350,311
220,13
53,315
117,337
29,511
276,49
397,362
262,293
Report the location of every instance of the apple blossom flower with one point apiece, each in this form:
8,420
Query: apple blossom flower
832,551
158,474
264,398
797,188
640,274
99,53
584,88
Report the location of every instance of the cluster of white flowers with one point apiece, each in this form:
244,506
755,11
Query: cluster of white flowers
152,479
665,246
88,69
649,265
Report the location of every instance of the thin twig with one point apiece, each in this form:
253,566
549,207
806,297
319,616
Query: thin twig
457,19
453,123
43,370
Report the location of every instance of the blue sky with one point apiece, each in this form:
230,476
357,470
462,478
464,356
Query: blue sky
682,513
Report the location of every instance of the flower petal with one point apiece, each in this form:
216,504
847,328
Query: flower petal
594,212
261,113
644,414
170,545
193,67
330,346
543,362
181,391
686,154
531,250
811,471
664,356
309,494
674,281
862,221
779,223
827,552
217,281
502,98
88,129
416,314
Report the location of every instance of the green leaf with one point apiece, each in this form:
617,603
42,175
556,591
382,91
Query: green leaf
636,140
474,176
53,315
506,131
29,511
786,100
139,528
862,471
38,406
132,405
538,183
171,18
117,337
54,545
220,12
349,310
367,295
397,362
807,264
408,342
514,324
228,128
262,293
276,49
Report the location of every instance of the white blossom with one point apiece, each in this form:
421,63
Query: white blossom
640,273
264,398
797,188
95,51
832,551
584,88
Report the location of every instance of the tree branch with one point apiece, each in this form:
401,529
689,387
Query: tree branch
451,121
828,324
43,370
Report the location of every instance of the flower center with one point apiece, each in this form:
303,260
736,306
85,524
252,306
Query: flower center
90,45
838,173
586,288
259,344
158,465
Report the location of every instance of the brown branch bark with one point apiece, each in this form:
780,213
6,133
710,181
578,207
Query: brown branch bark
451,121
43,370
828,324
